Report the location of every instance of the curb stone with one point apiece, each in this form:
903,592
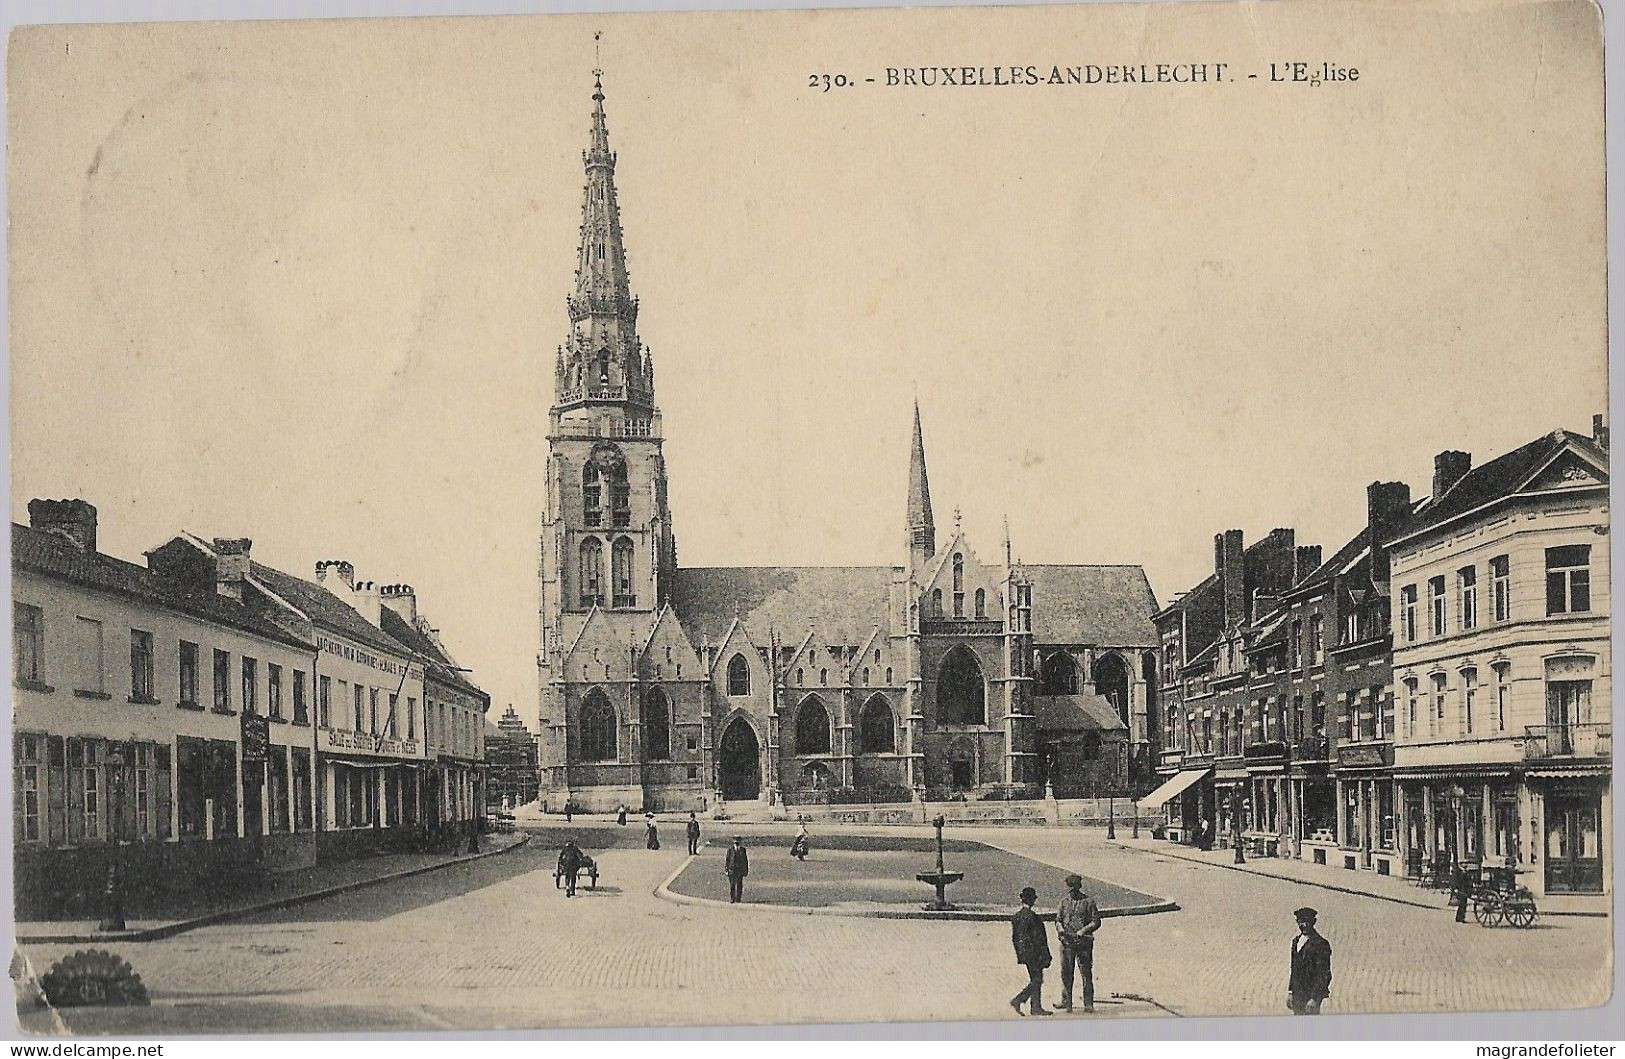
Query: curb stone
169,930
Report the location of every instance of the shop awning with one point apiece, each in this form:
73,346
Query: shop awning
1178,785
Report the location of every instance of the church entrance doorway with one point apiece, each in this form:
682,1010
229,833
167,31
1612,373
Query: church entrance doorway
739,765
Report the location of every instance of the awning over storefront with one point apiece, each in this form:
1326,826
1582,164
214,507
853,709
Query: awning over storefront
360,762
1174,787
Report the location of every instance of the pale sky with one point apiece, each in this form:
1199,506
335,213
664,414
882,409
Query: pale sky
303,282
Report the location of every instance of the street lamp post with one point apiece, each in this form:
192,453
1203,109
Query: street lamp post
114,918
1111,814
1235,824
1136,818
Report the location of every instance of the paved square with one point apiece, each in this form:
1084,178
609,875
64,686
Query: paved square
492,944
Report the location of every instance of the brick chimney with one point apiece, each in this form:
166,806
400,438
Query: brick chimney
1388,508
231,565
1229,563
1305,561
1448,468
402,600
73,519
1599,432
342,570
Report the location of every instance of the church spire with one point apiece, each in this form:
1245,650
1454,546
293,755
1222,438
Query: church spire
922,530
603,356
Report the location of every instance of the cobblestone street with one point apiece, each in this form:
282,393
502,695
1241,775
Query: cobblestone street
493,944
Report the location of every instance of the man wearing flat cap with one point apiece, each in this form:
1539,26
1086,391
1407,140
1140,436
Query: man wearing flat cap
1311,978
1077,918
1031,941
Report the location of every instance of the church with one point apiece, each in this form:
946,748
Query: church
949,673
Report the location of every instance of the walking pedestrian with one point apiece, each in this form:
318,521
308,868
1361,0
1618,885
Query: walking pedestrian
569,864
1077,918
802,843
1311,979
567,812
651,837
620,816
736,865
1031,943
693,835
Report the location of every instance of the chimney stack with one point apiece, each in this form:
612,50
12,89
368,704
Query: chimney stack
367,601
1230,565
73,519
1388,507
1599,432
343,570
1305,561
1448,468
402,600
231,564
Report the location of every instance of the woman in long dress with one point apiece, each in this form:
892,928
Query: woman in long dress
652,839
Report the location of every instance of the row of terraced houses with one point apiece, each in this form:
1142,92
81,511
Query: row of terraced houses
259,721
1433,694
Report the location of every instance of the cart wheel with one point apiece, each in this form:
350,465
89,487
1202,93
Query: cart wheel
1521,914
1488,910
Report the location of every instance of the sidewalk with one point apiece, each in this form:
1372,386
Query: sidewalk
1361,883
183,912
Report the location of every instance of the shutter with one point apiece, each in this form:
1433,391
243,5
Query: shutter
76,791
162,794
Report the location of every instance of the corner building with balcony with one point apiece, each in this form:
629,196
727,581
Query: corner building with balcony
1503,749
947,674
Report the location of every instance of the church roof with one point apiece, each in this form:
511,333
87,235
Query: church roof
1106,605
844,603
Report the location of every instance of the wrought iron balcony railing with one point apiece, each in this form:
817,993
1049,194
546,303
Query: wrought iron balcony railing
1568,740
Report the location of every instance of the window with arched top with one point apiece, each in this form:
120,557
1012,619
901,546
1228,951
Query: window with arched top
936,602
592,571
597,727
621,573
656,726
961,689
877,728
981,603
877,656
959,585
738,676
1059,675
1111,679
888,676
801,675
605,469
812,728
823,676
865,680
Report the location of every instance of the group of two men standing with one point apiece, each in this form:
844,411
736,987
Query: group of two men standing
1077,917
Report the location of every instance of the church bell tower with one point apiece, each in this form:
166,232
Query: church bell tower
606,535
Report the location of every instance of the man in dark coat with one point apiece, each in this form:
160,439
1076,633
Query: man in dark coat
569,865
1311,978
1031,942
736,866
693,835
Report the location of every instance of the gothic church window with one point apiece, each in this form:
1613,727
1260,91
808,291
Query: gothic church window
959,585
981,603
1060,675
597,728
961,691
656,726
812,728
592,571
592,497
936,602
738,676
621,566
877,732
